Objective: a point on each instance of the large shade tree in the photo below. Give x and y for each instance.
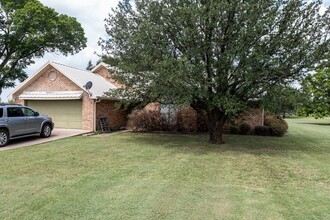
(214, 55)
(28, 30)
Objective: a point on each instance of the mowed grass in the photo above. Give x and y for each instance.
(166, 176)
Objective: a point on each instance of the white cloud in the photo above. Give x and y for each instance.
(91, 15)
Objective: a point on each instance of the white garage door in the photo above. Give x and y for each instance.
(65, 113)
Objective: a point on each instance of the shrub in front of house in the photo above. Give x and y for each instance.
(262, 130)
(271, 120)
(233, 129)
(144, 120)
(274, 126)
(244, 128)
(186, 119)
(278, 130)
(277, 124)
(241, 128)
(168, 123)
(202, 122)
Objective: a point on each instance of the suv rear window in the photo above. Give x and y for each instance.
(1, 112)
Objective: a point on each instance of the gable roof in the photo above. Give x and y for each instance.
(78, 76)
(102, 64)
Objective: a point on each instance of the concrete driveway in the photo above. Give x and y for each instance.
(57, 133)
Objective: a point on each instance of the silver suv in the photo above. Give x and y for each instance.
(18, 121)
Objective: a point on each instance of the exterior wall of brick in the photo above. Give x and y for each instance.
(154, 106)
(43, 83)
(87, 113)
(61, 83)
(189, 119)
(116, 118)
(106, 74)
(19, 101)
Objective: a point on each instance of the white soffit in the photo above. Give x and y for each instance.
(51, 95)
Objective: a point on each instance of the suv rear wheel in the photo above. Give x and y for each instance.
(46, 131)
(4, 138)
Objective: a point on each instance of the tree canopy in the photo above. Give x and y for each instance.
(28, 30)
(316, 88)
(215, 55)
(283, 99)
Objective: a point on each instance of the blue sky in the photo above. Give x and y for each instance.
(91, 14)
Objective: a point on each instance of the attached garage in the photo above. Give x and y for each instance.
(69, 95)
(65, 113)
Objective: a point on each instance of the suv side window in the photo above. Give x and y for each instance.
(14, 112)
(1, 112)
(28, 112)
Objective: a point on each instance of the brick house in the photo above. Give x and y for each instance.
(60, 91)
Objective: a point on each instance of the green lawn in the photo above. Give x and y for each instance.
(160, 176)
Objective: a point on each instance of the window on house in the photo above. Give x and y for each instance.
(169, 113)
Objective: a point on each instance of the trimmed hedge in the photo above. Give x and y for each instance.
(144, 120)
(188, 120)
(274, 126)
(244, 128)
(262, 130)
(277, 124)
(233, 129)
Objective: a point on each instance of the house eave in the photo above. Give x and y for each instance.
(52, 95)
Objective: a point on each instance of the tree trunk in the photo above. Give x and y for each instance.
(221, 123)
(213, 131)
(217, 120)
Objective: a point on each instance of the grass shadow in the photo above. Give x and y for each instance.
(314, 123)
(198, 143)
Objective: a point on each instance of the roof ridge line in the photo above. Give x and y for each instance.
(66, 65)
